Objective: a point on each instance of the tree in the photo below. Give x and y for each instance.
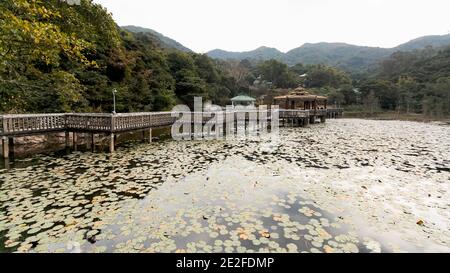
(320, 76)
(385, 92)
(57, 57)
(278, 73)
(336, 97)
(349, 95)
(371, 102)
(407, 87)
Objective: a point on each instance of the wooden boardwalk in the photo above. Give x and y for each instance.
(111, 124)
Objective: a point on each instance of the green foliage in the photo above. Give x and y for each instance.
(57, 57)
(321, 76)
(32, 50)
(351, 58)
(415, 81)
(409, 82)
(278, 73)
(384, 91)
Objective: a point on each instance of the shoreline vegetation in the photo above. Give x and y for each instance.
(53, 143)
(394, 115)
(56, 57)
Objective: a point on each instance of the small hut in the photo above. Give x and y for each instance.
(243, 100)
(301, 99)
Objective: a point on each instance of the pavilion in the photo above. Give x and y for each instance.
(243, 100)
(301, 99)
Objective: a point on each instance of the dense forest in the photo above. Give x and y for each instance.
(57, 57)
(406, 82)
(60, 57)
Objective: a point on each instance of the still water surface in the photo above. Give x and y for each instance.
(344, 186)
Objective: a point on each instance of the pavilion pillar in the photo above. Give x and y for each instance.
(112, 140)
(306, 122)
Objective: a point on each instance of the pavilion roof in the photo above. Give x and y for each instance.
(243, 98)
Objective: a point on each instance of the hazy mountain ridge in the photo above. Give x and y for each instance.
(158, 38)
(261, 53)
(342, 55)
(422, 42)
(345, 56)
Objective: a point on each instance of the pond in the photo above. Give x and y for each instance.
(348, 185)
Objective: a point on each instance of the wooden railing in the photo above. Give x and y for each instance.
(294, 113)
(133, 121)
(89, 122)
(26, 124)
(11, 125)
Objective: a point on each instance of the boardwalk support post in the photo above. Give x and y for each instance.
(92, 142)
(67, 140)
(322, 119)
(112, 139)
(5, 146)
(11, 146)
(150, 135)
(74, 140)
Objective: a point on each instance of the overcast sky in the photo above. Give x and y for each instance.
(241, 25)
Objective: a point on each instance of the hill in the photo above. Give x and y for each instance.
(345, 56)
(259, 54)
(159, 39)
(422, 42)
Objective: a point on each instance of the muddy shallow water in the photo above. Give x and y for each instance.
(345, 186)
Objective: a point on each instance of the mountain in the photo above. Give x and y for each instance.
(422, 42)
(261, 53)
(345, 56)
(158, 38)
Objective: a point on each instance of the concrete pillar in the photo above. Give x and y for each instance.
(112, 140)
(323, 119)
(150, 135)
(75, 140)
(5, 147)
